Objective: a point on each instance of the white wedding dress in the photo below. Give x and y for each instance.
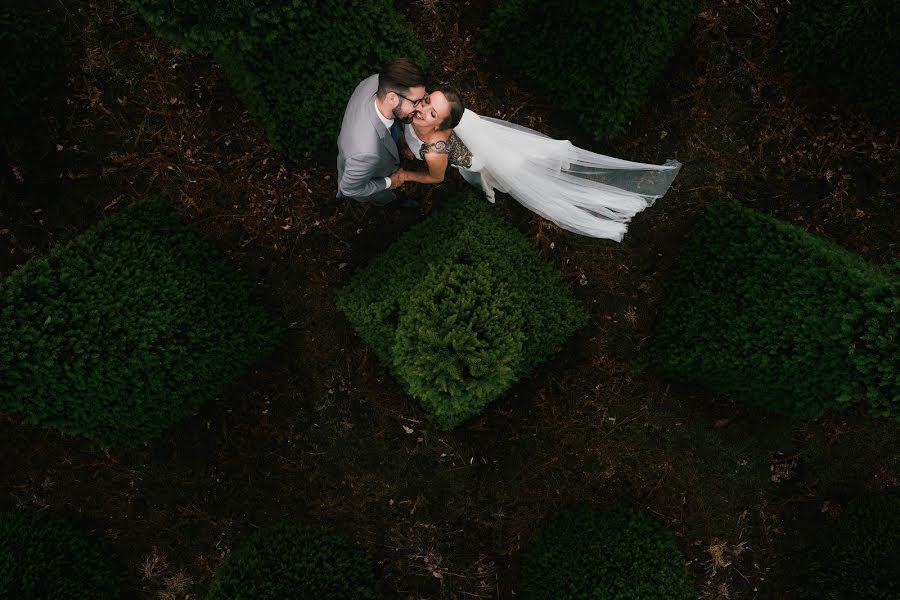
(581, 191)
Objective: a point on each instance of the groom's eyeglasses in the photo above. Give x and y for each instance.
(415, 103)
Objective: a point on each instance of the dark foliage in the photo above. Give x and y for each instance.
(205, 24)
(875, 351)
(43, 558)
(852, 46)
(295, 64)
(33, 56)
(772, 315)
(595, 59)
(288, 562)
(460, 308)
(614, 554)
(126, 329)
(857, 556)
(459, 340)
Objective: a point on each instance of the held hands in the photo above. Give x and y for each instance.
(398, 178)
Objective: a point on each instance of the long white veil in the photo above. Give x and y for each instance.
(579, 190)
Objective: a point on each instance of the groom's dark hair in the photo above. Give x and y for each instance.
(398, 76)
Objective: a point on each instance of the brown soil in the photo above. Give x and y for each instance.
(320, 433)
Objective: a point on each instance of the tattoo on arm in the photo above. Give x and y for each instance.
(441, 147)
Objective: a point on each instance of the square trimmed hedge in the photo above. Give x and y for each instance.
(44, 556)
(763, 311)
(597, 60)
(584, 553)
(294, 64)
(34, 56)
(126, 329)
(289, 561)
(460, 308)
(849, 46)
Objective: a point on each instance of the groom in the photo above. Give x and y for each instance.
(368, 157)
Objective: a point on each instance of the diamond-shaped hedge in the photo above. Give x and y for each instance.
(855, 556)
(126, 329)
(614, 554)
(42, 556)
(775, 316)
(849, 46)
(294, 64)
(34, 55)
(292, 562)
(460, 308)
(583, 53)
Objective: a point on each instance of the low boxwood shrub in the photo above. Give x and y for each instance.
(31, 43)
(874, 350)
(460, 308)
(616, 554)
(126, 329)
(595, 59)
(296, 82)
(763, 311)
(852, 46)
(289, 562)
(42, 557)
(459, 339)
(203, 25)
(856, 557)
(294, 64)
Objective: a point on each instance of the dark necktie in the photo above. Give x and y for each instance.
(395, 131)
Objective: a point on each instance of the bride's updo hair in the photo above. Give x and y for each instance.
(456, 106)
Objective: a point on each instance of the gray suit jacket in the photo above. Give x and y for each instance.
(366, 151)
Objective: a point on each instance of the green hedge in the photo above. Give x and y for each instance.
(203, 25)
(43, 558)
(853, 46)
(460, 308)
(31, 44)
(126, 329)
(856, 557)
(288, 562)
(771, 315)
(617, 554)
(294, 64)
(597, 60)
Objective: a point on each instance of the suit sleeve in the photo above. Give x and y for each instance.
(358, 180)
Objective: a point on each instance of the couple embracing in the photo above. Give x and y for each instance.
(391, 114)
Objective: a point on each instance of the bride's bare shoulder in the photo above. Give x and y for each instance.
(437, 143)
(438, 136)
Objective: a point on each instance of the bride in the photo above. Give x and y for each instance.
(581, 191)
